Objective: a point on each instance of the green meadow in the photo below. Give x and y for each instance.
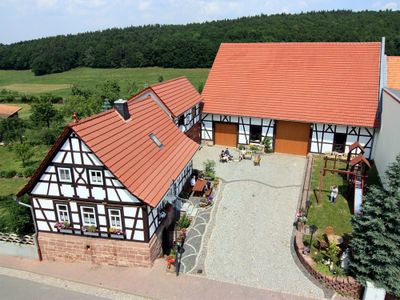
(59, 84)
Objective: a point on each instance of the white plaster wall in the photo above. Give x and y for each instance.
(388, 142)
(243, 128)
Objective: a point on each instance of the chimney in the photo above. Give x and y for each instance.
(121, 106)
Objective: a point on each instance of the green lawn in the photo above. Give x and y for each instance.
(59, 84)
(11, 186)
(9, 161)
(338, 215)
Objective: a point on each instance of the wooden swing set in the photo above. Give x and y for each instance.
(355, 168)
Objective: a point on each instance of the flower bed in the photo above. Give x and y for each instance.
(346, 286)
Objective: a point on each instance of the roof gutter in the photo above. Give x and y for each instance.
(35, 235)
(382, 77)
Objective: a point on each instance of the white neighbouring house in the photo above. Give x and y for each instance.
(106, 190)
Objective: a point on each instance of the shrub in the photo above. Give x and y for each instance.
(24, 152)
(184, 195)
(241, 147)
(15, 218)
(183, 222)
(10, 173)
(28, 171)
(267, 142)
(254, 148)
(209, 168)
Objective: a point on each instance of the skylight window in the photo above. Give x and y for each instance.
(156, 140)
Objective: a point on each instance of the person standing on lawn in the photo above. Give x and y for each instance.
(334, 193)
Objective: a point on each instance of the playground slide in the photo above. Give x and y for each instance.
(358, 198)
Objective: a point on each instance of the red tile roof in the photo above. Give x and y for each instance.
(307, 82)
(8, 110)
(178, 95)
(393, 69)
(126, 149)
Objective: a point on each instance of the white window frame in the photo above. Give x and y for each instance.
(70, 174)
(83, 216)
(94, 179)
(110, 217)
(65, 212)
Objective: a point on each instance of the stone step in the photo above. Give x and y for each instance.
(187, 208)
(194, 211)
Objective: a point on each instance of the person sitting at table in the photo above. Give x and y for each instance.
(193, 181)
(223, 157)
(228, 154)
(242, 154)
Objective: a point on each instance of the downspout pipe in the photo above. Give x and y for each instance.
(35, 235)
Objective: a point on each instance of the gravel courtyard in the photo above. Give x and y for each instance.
(251, 234)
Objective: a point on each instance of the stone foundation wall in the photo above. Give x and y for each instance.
(73, 248)
(195, 133)
(346, 286)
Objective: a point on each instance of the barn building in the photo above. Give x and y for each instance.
(8, 111)
(106, 190)
(306, 97)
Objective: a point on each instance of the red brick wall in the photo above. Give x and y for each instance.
(346, 286)
(195, 133)
(73, 248)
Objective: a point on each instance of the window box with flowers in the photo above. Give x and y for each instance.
(90, 230)
(116, 233)
(63, 227)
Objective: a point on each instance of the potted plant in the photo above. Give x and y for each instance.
(64, 227)
(171, 259)
(90, 230)
(116, 233)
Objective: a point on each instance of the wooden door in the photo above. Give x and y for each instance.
(292, 137)
(226, 134)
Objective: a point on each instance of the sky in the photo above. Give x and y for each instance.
(31, 19)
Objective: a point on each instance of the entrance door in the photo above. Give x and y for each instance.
(292, 137)
(225, 134)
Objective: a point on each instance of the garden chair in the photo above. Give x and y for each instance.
(257, 160)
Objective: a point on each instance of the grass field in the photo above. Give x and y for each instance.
(9, 161)
(11, 186)
(338, 214)
(59, 84)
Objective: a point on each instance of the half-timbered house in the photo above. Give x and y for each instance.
(181, 101)
(307, 97)
(106, 190)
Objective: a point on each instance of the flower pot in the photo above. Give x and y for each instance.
(171, 269)
(91, 233)
(64, 230)
(117, 236)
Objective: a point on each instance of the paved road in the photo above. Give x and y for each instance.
(12, 288)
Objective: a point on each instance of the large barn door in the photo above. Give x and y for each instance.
(292, 137)
(225, 134)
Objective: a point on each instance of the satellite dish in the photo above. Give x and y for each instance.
(182, 128)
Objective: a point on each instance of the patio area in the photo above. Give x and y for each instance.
(247, 239)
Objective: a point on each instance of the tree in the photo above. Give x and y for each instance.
(24, 152)
(375, 247)
(83, 106)
(16, 218)
(110, 89)
(132, 88)
(12, 129)
(43, 112)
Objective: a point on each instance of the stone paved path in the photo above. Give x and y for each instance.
(249, 237)
(194, 239)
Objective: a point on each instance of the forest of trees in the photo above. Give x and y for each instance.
(195, 45)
